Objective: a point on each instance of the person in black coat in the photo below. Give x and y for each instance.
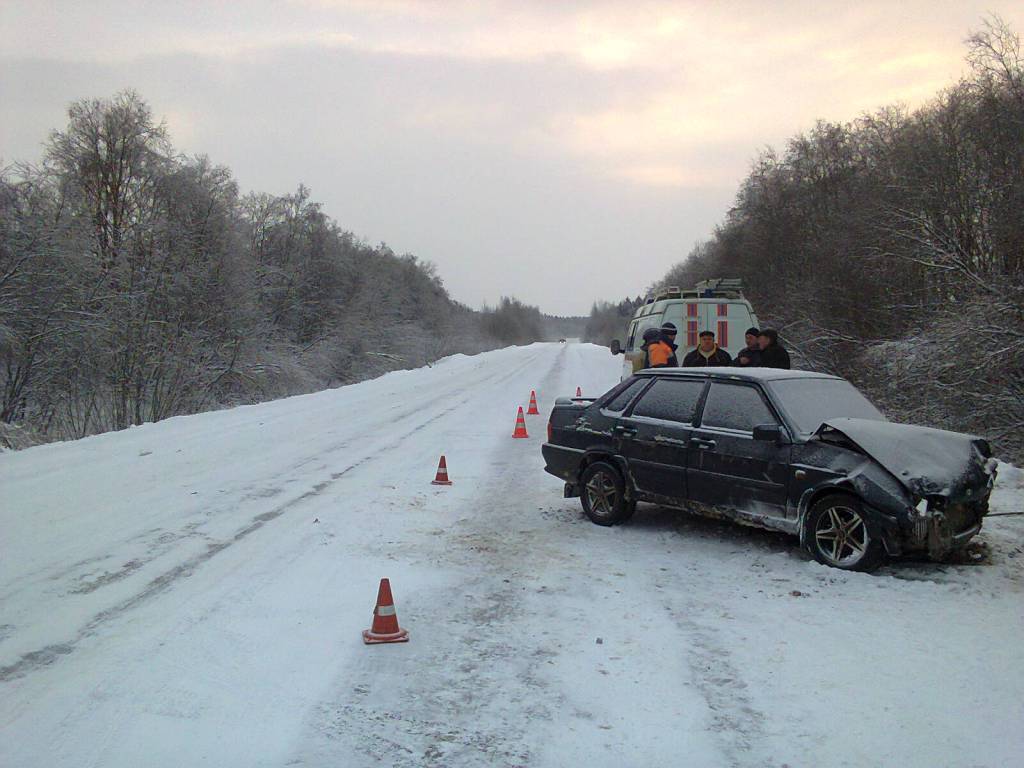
(773, 354)
(751, 356)
(707, 353)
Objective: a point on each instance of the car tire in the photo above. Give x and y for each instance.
(603, 494)
(840, 534)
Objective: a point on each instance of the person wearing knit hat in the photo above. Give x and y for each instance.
(750, 357)
(660, 353)
(668, 335)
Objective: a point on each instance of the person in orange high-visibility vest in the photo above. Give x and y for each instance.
(660, 353)
(668, 335)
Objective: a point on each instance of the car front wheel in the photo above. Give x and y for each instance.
(603, 494)
(840, 534)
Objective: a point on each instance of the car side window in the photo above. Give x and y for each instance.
(671, 399)
(623, 398)
(734, 406)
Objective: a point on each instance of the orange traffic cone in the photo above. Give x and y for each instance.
(579, 392)
(532, 410)
(520, 425)
(441, 478)
(385, 627)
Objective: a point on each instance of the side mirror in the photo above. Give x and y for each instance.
(770, 433)
(615, 347)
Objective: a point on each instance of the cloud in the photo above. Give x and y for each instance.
(560, 139)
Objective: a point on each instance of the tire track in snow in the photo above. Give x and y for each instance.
(736, 724)
(451, 711)
(47, 655)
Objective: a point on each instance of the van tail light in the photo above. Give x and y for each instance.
(550, 430)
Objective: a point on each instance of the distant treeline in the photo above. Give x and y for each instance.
(891, 250)
(608, 320)
(137, 284)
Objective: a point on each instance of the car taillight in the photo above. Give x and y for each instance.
(549, 430)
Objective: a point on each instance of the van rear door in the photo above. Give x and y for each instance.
(729, 321)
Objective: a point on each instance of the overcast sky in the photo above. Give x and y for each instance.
(557, 151)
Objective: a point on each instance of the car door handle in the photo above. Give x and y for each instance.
(699, 442)
(625, 431)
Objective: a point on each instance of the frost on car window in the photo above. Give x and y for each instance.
(734, 406)
(673, 400)
(621, 400)
(812, 402)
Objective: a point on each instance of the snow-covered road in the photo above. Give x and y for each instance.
(192, 593)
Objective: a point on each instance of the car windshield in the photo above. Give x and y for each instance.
(810, 402)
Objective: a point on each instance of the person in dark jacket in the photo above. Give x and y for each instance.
(668, 335)
(707, 353)
(751, 356)
(773, 354)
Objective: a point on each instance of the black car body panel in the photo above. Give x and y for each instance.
(926, 490)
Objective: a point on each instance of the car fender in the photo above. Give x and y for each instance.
(605, 453)
(874, 488)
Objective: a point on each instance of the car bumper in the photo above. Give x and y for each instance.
(949, 532)
(562, 462)
(944, 530)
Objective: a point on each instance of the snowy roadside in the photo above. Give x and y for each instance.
(193, 592)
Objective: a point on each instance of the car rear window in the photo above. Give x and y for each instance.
(621, 400)
(735, 406)
(671, 399)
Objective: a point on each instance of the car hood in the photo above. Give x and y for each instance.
(927, 462)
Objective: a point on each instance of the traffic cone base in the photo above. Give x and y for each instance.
(532, 410)
(441, 478)
(520, 430)
(385, 627)
(398, 637)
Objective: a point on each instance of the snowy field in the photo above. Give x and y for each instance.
(192, 593)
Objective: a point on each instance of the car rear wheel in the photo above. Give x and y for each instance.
(840, 534)
(603, 494)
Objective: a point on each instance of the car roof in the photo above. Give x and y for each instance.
(742, 374)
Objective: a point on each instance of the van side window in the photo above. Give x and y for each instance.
(735, 406)
(650, 321)
(631, 337)
(671, 399)
(674, 314)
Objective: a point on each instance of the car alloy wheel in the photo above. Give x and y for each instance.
(841, 536)
(602, 494)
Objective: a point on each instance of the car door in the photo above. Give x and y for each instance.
(728, 468)
(654, 436)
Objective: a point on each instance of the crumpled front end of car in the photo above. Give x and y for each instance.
(929, 488)
(941, 523)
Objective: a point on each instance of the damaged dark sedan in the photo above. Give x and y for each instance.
(795, 451)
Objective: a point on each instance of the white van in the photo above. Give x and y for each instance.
(714, 305)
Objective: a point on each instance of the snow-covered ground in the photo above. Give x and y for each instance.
(192, 593)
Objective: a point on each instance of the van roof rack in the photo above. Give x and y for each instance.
(719, 287)
(668, 292)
